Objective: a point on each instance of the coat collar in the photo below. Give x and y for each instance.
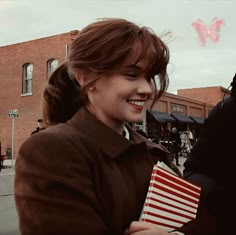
(104, 137)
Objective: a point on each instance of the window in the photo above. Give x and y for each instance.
(27, 78)
(51, 66)
(178, 108)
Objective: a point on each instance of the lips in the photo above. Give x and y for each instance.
(137, 104)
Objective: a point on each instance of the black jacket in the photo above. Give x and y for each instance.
(211, 163)
(38, 129)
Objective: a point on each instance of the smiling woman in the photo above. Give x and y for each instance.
(136, 56)
(82, 175)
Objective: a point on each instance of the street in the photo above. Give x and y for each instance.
(8, 215)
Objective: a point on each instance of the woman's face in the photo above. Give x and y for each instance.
(121, 97)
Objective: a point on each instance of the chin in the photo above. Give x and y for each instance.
(134, 120)
(133, 117)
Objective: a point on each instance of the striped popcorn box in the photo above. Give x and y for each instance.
(171, 201)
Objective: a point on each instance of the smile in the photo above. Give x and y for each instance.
(136, 104)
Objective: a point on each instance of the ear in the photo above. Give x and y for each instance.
(81, 79)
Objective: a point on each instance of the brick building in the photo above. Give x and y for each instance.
(24, 69)
(210, 95)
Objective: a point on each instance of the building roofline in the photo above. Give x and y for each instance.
(186, 98)
(223, 89)
(198, 88)
(72, 33)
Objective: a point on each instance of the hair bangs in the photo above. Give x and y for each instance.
(149, 49)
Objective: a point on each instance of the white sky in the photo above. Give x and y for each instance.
(191, 65)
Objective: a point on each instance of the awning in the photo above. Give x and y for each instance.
(197, 120)
(162, 117)
(182, 118)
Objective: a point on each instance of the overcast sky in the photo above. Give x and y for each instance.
(191, 64)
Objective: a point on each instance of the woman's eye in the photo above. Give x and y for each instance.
(133, 75)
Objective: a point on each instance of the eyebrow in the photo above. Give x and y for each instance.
(133, 66)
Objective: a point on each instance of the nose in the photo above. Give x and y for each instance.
(145, 87)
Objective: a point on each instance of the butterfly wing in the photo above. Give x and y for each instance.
(215, 28)
(201, 30)
(216, 24)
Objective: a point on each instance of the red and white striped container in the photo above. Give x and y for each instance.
(171, 200)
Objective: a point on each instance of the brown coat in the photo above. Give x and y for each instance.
(82, 178)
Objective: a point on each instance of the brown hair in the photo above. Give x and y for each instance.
(100, 48)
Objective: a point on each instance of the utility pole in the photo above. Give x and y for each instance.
(13, 113)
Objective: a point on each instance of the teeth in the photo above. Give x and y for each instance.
(138, 103)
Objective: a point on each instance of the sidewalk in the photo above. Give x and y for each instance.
(8, 215)
(7, 179)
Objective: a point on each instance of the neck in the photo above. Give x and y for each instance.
(116, 125)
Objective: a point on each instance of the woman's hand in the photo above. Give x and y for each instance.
(144, 228)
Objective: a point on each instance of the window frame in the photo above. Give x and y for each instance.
(27, 78)
(51, 67)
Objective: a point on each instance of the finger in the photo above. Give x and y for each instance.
(137, 226)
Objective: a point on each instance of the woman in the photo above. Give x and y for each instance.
(88, 172)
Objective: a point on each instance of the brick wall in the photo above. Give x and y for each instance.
(211, 95)
(12, 58)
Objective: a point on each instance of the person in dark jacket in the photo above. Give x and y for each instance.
(89, 171)
(176, 143)
(211, 162)
(40, 126)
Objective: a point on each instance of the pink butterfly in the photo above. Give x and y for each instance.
(205, 32)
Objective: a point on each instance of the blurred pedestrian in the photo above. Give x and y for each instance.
(191, 138)
(176, 142)
(40, 126)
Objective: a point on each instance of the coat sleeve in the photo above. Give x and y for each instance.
(54, 191)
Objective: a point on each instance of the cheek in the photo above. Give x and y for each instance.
(115, 89)
(102, 96)
(152, 86)
(153, 90)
